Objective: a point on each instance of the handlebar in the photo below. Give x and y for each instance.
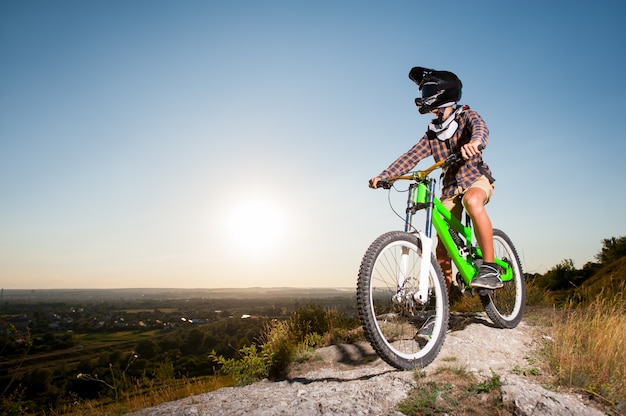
(454, 158)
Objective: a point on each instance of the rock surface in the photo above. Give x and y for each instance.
(351, 380)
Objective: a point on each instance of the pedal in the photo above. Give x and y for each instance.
(484, 292)
(460, 284)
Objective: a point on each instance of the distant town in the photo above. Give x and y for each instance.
(87, 310)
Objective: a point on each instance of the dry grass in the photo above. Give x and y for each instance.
(461, 303)
(588, 348)
(147, 396)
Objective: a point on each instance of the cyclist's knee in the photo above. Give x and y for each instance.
(474, 200)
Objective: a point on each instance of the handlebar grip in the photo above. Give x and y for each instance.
(382, 183)
(456, 157)
(385, 184)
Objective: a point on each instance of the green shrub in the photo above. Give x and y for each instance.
(250, 367)
(273, 359)
(279, 348)
(282, 342)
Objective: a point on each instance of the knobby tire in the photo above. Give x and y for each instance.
(505, 306)
(393, 328)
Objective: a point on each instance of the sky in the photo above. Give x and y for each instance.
(206, 144)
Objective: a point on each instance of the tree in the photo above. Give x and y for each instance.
(147, 348)
(559, 277)
(194, 341)
(612, 249)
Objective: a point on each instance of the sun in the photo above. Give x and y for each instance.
(256, 228)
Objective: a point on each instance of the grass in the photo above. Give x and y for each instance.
(142, 397)
(453, 390)
(587, 349)
(129, 335)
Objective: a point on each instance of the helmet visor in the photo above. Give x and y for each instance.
(429, 89)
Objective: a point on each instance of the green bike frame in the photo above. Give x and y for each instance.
(421, 196)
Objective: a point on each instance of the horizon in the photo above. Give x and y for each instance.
(132, 294)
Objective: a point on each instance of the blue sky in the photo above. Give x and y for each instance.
(229, 143)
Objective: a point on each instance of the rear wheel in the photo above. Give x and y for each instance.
(505, 306)
(404, 333)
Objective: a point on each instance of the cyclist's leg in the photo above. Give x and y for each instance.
(474, 201)
(446, 265)
(453, 205)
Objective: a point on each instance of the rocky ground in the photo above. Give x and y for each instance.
(352, 380)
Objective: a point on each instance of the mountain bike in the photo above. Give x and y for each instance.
(402, 298)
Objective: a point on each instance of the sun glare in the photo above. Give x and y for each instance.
(256, 228)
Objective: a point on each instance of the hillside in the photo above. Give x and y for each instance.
(351, 380)
(608, 280)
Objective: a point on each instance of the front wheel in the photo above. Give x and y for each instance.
(403, 332)
(505, 306)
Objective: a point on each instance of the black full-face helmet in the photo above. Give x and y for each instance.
(438, 88)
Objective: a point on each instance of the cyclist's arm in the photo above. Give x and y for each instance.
(404, 163)
(480, 135)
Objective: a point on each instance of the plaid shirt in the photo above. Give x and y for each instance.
(471, 127)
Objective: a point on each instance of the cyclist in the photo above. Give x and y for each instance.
(455, 128)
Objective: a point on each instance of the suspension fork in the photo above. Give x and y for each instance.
(411, 200)
(400, 295)
(420, 196)
(427, 241)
